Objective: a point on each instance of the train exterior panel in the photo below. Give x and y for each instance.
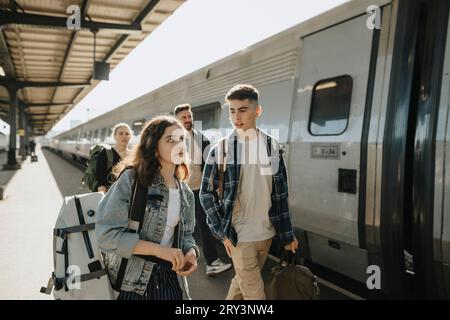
(4, 140)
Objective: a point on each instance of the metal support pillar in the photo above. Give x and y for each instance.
(12, 163)
(27, 132)
(22, 149)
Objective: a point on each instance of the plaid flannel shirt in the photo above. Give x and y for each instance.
(219, 221)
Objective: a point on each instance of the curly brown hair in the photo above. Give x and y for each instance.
(143, 158)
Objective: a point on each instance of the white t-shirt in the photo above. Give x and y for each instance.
(173, 216)
(253, 201)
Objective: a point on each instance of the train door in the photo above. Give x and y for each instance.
(413, 213)
(441, 234)
(206, 119)
(327, 168)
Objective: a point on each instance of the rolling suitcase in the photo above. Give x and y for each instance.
(34, 158)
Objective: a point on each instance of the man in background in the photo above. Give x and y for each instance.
(196, 143)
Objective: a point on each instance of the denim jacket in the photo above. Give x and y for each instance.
(116, 242)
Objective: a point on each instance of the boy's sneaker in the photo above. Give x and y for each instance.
(216, 267)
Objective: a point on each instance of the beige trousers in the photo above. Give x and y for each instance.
(248, 260)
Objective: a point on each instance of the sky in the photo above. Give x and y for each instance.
(199, 33)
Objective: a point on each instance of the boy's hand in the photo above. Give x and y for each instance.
(228, 246)
(292, 246)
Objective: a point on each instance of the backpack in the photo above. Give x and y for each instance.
(79, 270)
(89, 178)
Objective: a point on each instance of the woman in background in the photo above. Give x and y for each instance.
(108, 158)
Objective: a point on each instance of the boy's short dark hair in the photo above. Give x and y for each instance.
(242, 92)
(182, 107)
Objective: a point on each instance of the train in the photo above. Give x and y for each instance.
(4, 141)
(359, 99)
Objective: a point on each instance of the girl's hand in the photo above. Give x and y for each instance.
(173, 255)
(190, 264)
(103, 189)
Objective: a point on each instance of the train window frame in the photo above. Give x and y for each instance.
(102, 134)
(142, 121)
(94, 135)
(313, 99)
(79, 135)
(215, 106)
(109, 132)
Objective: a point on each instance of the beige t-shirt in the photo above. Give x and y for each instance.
(194, 158)
(253, 200)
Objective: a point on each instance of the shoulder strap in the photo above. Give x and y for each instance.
(222, 168)
(137, 209)
(269, 148)
(235, 158)
(87, 240)
(223, 165)
(109, 157)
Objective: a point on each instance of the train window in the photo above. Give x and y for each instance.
(102, 134)
(95, 135)
(330, 106)
(137, 126)
(108, 132)
(208, 114)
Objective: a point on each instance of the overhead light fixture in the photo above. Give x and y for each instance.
(2, 72)
(101, 68)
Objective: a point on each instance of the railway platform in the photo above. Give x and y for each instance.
(28, 211)
(31, 202)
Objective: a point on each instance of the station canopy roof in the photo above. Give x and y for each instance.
(54, 64)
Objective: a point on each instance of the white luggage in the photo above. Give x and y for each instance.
(79, 271)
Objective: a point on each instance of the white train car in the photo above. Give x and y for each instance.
(4, 141)
(361, 104)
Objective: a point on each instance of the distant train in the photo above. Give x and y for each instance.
(361, 102)
(4, 141)
(44, 142)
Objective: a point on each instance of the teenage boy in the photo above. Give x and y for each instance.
(255, 194)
